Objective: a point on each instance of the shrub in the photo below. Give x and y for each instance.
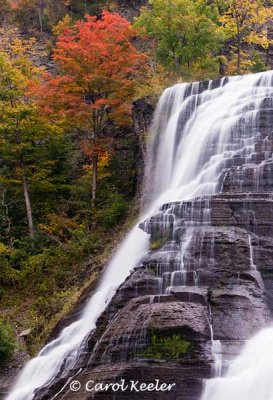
(8, 275)
(258, 63)
(4, 9)
(114, 212)
(7, 343)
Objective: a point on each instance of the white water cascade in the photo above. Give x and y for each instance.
(249, 376)
(197, 130)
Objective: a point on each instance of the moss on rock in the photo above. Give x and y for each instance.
(171, 347)
(158, 242)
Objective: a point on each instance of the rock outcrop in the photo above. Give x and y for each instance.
(130, 9)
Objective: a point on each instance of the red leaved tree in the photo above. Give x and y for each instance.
(98, 69)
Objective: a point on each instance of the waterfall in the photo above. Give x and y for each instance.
(249, 376)
(251, 251)
(198, 131)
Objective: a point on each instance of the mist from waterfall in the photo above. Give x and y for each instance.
(197, 130)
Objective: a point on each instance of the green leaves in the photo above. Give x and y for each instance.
(184, 31)
(169, 347)
(27, 140)
(7, 343)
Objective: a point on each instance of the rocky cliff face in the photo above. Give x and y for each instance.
(202, 290)
(130, 9)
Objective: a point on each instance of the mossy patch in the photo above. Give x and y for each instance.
(171, 347)
(157, 243)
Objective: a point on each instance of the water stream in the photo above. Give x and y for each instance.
(249, 376)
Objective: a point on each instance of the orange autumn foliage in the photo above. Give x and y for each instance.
(98, 65)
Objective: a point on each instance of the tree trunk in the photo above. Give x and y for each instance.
(94, 178)
(6, 218)
(41, 7)
(239, 57)
(28, 209)
(40, 21)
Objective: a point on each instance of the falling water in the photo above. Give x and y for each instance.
(251, 251)
(250, 375)
(216, 348)
(198, 129)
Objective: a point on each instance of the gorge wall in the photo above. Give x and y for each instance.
(205, 285)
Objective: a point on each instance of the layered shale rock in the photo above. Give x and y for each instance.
(201, 291)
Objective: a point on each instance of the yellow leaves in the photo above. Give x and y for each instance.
(104, 160)
(12, 80)
(204, 69)
(20, 51)
(14, 77)
(246, 63)
(157, 79)
(3, 248)
(7, 34)
(22, 47)
(259, 38)
(59, 227)
(103, 163)
(61, 25)
(245, 21)
(88, 168)
(16, 105)
(228, 26)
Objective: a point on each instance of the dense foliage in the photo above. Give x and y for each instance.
(194, 39)
(7, 343)
(185, 33)
(207, 37)
(52, 126)
(244, 22)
